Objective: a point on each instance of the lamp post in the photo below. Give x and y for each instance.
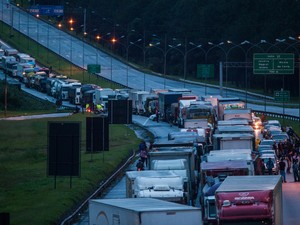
(185, 54)
(246, 64)
(165, 52)
(210, 49)
(127, 53)
(292, 45)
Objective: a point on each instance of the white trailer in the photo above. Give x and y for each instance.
(233, 141)
(233, 114)
(132, 175)
(145, 211)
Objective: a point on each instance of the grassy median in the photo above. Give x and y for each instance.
(25, 190)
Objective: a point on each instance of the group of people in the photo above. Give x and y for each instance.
(143, 153)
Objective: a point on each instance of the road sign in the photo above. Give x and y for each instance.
(47, 10)
(94, 68)
(273, 63)
(282, 96)
(205, 70)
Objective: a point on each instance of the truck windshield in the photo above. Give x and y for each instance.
(247, 222)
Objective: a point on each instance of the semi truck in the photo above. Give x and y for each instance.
(165, 188)
(212, 174)
(250, 200)
(233, 114)
(233, 141)
(165, 100)
(231, 155)
(141, 211)
(228, 103)
(175, 153)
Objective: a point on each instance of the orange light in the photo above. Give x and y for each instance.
(59, 25)
(113, 40)
(71, 21)
(98, 37)
(71, 28)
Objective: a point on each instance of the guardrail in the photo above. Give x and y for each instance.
(277, 115)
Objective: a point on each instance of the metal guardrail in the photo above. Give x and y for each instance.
(278, 115)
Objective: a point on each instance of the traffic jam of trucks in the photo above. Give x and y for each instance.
(205, 171)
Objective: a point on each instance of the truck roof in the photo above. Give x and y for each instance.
(233, 135)
(236, 111)
(233, 122)
(236, 128)
(144, 204)
(249, 183)
(235, 164)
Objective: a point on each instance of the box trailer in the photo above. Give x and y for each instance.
(145, 211)
(250, 200)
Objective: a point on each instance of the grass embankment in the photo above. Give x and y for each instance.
(25, 190)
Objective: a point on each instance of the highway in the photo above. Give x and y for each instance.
(82, 54)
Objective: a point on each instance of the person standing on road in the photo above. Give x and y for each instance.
(157, 115)
(143, 152)
(270, 166)
(282, 170)
(295, 171)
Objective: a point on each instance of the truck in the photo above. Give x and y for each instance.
(131, 176)
(20, 70)
(141, 211)
(141, 101)
(228, 103)
(233, 141)
(234, 129)
(6, 59)
(212, 174)
(102, 95)
(165, 100)
(233, 114)
(169, 188)
(232, 122)
(231, 155)
(133, 96)
(250, 200)
(173, 153)
(74, 95)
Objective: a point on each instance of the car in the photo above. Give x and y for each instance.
(274, 123)
(264, 147)
(267, 151)
(267, 142)
(280, 137)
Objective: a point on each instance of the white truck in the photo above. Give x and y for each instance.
(250, 200)
(175, 153)
(102, 95)
(21, 70)
(233, 114)
(228, 103)
(142, 99)
(141, 211)
(235, 129)
(233, 141)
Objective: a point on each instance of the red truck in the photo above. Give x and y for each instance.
(250, 200)
(212, 174)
